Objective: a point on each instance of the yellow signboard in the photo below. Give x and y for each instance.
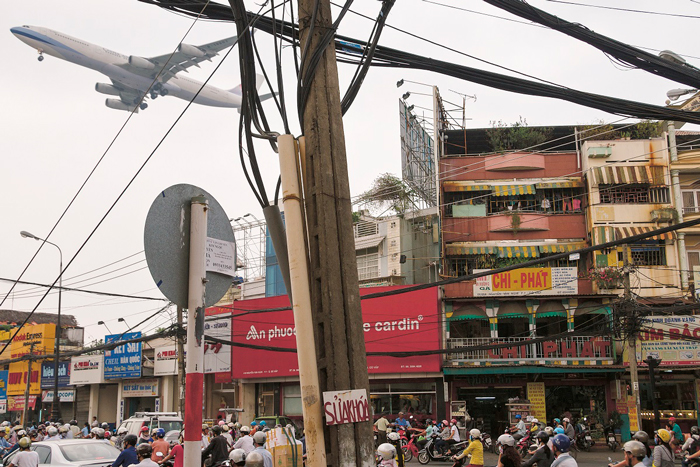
(535, 393)
(42, 335)
(17, 378)
(528, 281)
(633, 415)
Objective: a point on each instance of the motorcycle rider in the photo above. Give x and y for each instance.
(643, 438)
(237, 457)
(560, 445)
(569, 429)
(402, 422)
(386, 452)
(25, 457)
(217, 449)
(692, 446)
(128, 456)
(676, 431)
(444, 435)
(160, 446)
(144, 452)
(543, 455)
(227, 434)
(395, 440)
(475, 448)
(635, 452)
(518, 430)
(535, 426)
(425, 434)
(556, 423)
(259, 441)
(508, 456)
(245, 442)
(663, 453)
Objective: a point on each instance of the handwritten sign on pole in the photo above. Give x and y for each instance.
(220, 256)
(349, 406)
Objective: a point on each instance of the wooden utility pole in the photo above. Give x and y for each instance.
(29, 382)
(335, 298)
(180, 363)
(631, 319)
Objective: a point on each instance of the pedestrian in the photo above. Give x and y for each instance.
(475, 449)
(144, 451)
(663, 453)
(25, 458)
(128, 455)
(508, 456)
(245, 442)
(381, 425)
(259, 441)
(94, 423)
(560, 446)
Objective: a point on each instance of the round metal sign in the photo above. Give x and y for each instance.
(166, 242)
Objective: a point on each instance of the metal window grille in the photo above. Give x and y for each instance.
(691, 201)
(633, 194)
(365, 228)
(649, 254)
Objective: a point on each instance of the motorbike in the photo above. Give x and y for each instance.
(431, 452)
(410, 449)
(584, 440)
(403, 434)
(488, 443)
(523, 444)
(611, 439)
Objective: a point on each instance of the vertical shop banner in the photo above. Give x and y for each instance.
(409, 321)
(17, 379)
(217, 356)
(673, 339)
(87, 369)
(633, 415)
(123, 361)
(165, 360)
(3, 384)
(47, 375)
(536, 395)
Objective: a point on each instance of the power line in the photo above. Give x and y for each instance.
(94, 292)
(630, 10)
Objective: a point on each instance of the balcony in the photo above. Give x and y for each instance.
(483, 229)
(518, 222)
(573, 350)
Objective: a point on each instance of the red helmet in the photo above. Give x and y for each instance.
(671, 419)
(144, 428)
(453, 421)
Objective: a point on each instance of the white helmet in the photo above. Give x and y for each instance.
(237, 455)
(21, 433)
(63, 429)
(254, 459)
(259, 438)
(474, 433)
(393, 436)
(245, 429)
(100, 433)
(534, 420)
(506, 440)
(52, 431)
(386, 451)
(566, 420)
(122, 430)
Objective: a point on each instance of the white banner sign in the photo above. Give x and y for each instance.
(221, 257)
(140, 388)
(217, 357)
(64, 395)
(346, 406)
(165, 362)
(88, 369)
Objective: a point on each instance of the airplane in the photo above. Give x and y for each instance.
(133, 76)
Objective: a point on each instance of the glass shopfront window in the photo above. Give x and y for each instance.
(414, 399)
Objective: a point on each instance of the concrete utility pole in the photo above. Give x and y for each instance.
(653, 363)
(340, 342)
(631, 339)
(29, 382)
(180, 363)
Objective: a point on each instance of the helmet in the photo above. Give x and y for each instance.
(672, 419)
(236, 425)
(263, 423)
(518, 416)
(566, 420)
(665, 435)
(21, 433)
(549, 430)
(62, 429)
(559, 431)
(216, 429)
(100, 433)
(561, 442)
(237, 455)
(154, 431)
(543, 436)
(253, 423)
(506, 440)
(635, 448)
(245, 429)
(230, 424)
(534, 420)
(205, 426)
(53, 431)
(453, 421)
(144, 450)
(643, 437)
(386, 451)
(694, 430)
(25, 442)
(474, 433)
(122, 430)
(160, 432)
(221, 422)
(254, 459)
(259, 438)
(444, 422)
(428, 421)
(105, 425)
(131, 439)
(393, 436)
(74, 422)
(144, 429)
(557, 420)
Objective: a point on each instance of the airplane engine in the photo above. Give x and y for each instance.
(141, 62)
(119, 105)
(191, 50)
(103, 88)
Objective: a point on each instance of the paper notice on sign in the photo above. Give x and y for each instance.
(220, 257)
(349, 406)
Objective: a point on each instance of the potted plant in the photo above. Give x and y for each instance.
(606, 277)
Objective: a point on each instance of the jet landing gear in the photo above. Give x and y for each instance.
(41, 56)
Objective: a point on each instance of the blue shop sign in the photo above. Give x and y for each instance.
(124, 361)
(47, 375)
(3, 384)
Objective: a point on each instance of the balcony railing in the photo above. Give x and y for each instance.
(586, 348)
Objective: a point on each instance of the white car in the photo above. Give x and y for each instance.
(72, 453)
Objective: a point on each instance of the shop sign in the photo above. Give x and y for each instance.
(88, 369)
(140, 388)
(217, 357)
(3, 384)
(16, 403)
(350, 406)
(64, 395)
(538, 407)
(633, 415)
(42, 335)
(488, 380)
(3, 406)
(17, 379)
(165, 361)
(409, 320)
(123, 361)
(47, 374)
(527, 281)
(673, 339)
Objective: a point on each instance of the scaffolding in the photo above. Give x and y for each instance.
(249, 232)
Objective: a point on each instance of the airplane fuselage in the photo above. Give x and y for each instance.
(113, 64)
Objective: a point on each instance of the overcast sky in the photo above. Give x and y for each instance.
(55, 126)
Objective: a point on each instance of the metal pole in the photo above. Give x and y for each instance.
(56, 404)
(653, 363)
(194, 382)
(299, 276)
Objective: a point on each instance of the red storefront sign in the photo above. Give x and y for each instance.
(405, 322)
(16, 403)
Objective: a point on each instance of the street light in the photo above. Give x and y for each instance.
(675, 94)
(56, 404)
(102, 323)
(122, 320)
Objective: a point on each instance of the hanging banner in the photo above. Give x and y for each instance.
(47, 375)
(17, 379)
(140, 388)
(16, 403)
(536, 395)
(66, 395)
(3, 384)
(673, 339)
(87, 369)
(123, 361)
(165, 360)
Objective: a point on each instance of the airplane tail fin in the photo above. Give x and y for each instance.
(259, 80)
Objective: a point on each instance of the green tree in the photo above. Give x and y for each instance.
(387, 192)
(504, 137)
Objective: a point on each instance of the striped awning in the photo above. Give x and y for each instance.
(457, 249)
(464, 186)
(560, 184)
(510, 190)
(629, 231)
(603, 234)
(561, 247)
(623, 174)
(518, 252)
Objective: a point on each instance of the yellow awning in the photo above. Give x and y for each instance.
(510, 190)
(560, 184)
(451, 185)
(561, 247)
(623, 232)
(469, 250)
(518, 252)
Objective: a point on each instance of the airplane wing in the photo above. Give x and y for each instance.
(186, 56)
(128, 97)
